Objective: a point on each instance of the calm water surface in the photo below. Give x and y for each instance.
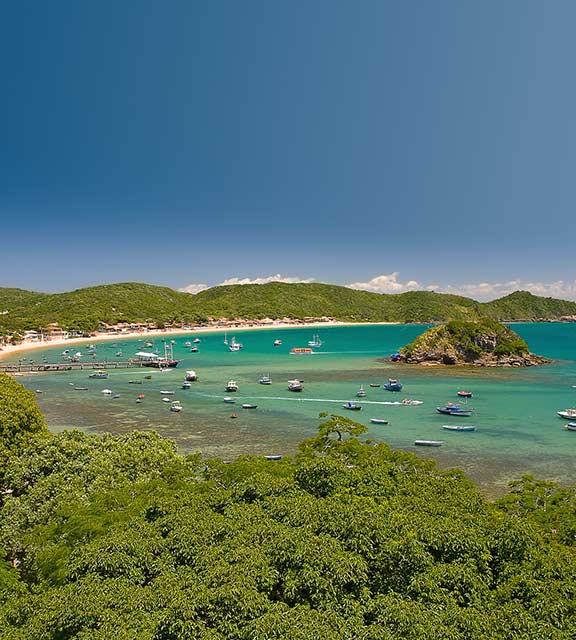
(518, 430)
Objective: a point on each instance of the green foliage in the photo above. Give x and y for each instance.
(20, 418)
(121, 537)
(85, 309)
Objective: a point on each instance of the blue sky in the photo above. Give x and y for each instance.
(193, 142)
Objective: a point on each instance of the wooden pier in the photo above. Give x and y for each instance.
(25, 366)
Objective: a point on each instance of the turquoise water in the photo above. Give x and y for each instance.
(518, 430)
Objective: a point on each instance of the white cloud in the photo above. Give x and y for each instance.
(194, 288)
(478, 290)
(387, 284)
(491, 290)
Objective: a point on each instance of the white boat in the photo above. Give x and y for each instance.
(277, 342)
(295, 385)
(571, 426)
(378, 421)
(458, 427)
(352, 406)
(361, 393)
(196, 340)
(186, 384)
(191, 376)
(167, 393)
(428, 443)
(570, 414)
(194, 349)
(232, 385)
(265, 379)
(228, 400)
(107, 392)
(176, 406)
(187, 343)
(315, 342)
(165, 399)
(247, 405)
(235, 346)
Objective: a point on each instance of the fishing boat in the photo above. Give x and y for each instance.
(428, 443)
(458, 427)
(265, 379)
(570, 414)
(277, 342)
(464, 394)
(571, 426)
(247, 405)
(361, 393)
(378, 421)
(191, 376)
(99, 375)
(393, 385)
(228, 400)
(295, 385)
(315, 342)
(351, 406)
(231, 386)
(301, 351)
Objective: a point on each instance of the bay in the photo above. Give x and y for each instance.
(517, 428)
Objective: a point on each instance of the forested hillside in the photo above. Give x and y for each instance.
(86, 309)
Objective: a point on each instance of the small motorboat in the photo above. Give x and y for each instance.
(165, 399)
(570, 414)
(428, 443)
(361, 393)
(167, 393)
(231, 386)
(187, 343)
(277, 342)
(194, 349)
(186, 384)
(229, 400)
(191, 376)
(273, 457)
(454, 410)
(39, 391)
(378, 421)
(233, 415)
(375, 384)
(176, 407)
(464, 394)
(140, 396)
(196, 340)
(458, 427)
(295, 385)
(393, 385)
(247, 405)
(84, 389)
(134, 381)
(351, 406)
(571, 426)
(265, 379)
(98, 375)
(410, 402)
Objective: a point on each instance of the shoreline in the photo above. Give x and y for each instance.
(23, 347)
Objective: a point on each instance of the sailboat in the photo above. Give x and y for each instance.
(315, 342)
(225, 338)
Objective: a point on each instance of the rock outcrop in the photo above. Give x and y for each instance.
(483, 344)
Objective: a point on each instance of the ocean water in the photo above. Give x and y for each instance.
(517, 432)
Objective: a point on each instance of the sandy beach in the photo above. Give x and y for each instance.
(114, 337)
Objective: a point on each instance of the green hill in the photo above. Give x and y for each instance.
(481, 343)
(85, 309)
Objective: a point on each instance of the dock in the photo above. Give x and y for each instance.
(35, 367)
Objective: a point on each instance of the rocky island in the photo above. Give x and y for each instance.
(483, 343)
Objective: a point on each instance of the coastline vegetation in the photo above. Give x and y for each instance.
(89, 309)
(119, 536)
